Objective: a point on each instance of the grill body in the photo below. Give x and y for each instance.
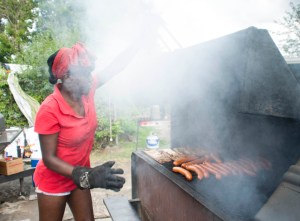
(234, 95)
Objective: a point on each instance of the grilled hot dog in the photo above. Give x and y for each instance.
(187, 174)
(195, 170)
(182, 160)
(213, 171)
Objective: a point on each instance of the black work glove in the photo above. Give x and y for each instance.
(103, 176)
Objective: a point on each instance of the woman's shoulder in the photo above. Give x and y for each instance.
(49, 101)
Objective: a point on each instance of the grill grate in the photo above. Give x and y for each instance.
(239, 196)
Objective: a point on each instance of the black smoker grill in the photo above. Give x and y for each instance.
(234, 95)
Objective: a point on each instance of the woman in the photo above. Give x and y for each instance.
(66, 123)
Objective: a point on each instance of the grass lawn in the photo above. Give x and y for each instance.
(123, 151)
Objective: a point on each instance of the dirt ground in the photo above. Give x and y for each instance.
(24, 208)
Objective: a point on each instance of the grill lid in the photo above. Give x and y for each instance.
(243, 70)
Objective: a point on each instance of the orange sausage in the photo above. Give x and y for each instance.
(249, 163)
(264, 163)
(217, 168)
(213, 171)
(229, 168)
(215, 158)
(204, 171)
(184, 160)
(241, 169)
(245, 169)
(195, 170)
(196, 161)
(234, 168)
(187, 174)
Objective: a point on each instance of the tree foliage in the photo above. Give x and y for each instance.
(34, 52)
(48, 39)
(291, 35)
(61, 20)
(16, 26)
(58, 23)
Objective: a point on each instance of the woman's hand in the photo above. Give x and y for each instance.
(103, 176)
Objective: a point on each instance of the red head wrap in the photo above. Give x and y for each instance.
(78, 55)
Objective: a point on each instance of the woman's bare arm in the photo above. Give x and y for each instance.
(48, 146)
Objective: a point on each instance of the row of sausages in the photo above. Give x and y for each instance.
(203, 167)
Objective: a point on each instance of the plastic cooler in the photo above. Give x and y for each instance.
(152, 142)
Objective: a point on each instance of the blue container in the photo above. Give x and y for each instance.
(34, 162)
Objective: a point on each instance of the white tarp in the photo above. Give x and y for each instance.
(28, 105)
(33, 142)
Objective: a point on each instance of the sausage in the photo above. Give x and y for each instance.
(250, 163)
(264, 163)
(195, 170)
(213, 171)
(218, 168)
(187, 174)
(196, 161)
(247, 166)
(215, 158)
(244, 169)
(182, 160)
(228, 168)
(235, 168)
(247, 170)
(203, 170)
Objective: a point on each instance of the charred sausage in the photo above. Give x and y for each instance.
(187, 174)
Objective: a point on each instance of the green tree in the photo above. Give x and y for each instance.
(291, 35)
(17, 18)
(34, 53)
(61, 20)
(47, 40)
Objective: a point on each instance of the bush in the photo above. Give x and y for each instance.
(102, 135)
(129, 128)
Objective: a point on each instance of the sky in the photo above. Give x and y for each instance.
(182, 23)
(111, 27)
(195, 21)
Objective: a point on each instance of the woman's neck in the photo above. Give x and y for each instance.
(74, 100)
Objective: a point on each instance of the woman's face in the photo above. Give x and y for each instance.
(78, 81)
